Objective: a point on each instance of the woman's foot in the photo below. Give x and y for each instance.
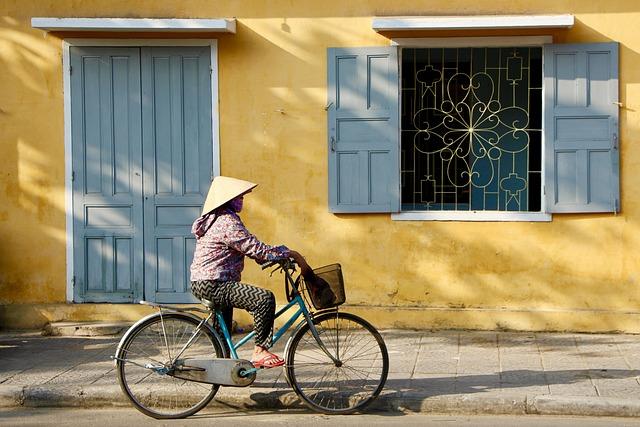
(262, 358)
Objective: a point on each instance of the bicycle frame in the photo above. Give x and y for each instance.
(302, 310)
(296, 299)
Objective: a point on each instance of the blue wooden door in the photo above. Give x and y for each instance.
(107, 174)
(176, 93)
(142, 160)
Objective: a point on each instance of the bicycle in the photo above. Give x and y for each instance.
(171, 364)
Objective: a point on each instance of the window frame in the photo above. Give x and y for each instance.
(463, 42)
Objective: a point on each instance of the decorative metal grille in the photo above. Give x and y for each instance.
(471, 129)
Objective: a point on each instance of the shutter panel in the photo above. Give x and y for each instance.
(107, 186)
(363, 99)
(177, 148)
(581, 127)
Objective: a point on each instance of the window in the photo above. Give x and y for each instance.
(471, 129)
(467, 130)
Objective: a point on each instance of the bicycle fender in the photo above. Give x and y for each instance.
(126, 335)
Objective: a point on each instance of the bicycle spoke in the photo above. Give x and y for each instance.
(372, 353)
(323, 360)
(127, 351)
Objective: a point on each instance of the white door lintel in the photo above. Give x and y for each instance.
(174, 25)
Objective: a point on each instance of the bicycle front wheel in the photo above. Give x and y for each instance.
(145, 363)
(352, 383)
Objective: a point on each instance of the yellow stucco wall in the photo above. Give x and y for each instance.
(579, 272)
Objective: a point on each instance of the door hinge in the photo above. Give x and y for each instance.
(73, 176)
(615, 140)
(616, 206)
(544, 190)
(70, 69)
(73, 281)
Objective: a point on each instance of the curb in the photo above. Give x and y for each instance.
(587, 406)
(11, 396)
(268, 398)
(85, 329)
(453, 404)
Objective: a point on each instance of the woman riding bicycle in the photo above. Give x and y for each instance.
(222, 242)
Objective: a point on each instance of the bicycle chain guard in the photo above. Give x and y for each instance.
(229, 372)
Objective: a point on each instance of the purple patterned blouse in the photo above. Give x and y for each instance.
(222, 241)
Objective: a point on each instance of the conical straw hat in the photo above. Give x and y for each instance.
(223, 189)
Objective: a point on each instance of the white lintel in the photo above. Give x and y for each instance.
(221, 25)
(406, 23)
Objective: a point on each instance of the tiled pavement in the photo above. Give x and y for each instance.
(441, 371)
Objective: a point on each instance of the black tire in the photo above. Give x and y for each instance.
(326, 387)
(163, 396)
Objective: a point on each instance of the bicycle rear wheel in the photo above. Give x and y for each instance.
(152, 346)
(344, 387)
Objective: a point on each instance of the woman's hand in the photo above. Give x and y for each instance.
(302, 263)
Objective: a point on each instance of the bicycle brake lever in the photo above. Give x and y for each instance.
(274, 270)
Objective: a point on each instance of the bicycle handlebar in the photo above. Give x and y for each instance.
(268, 264)
(287, 266)
(287, 263)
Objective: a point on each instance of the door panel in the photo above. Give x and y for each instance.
(107, 169)
(176, 93)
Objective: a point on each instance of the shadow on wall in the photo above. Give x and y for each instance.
(276, 123)
(567, 264)
(32, 156)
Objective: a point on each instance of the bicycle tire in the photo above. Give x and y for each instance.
(163, 396)
(311, 372)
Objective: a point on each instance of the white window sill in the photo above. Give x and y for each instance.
(472, 216)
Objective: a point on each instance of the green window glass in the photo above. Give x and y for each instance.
(471, 129)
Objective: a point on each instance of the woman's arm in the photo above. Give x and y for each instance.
(302, 263)
(239, 238)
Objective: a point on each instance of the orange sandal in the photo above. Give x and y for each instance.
(269, 361)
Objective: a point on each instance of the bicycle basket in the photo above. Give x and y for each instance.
(326, 289)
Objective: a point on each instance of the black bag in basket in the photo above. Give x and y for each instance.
(321, 293)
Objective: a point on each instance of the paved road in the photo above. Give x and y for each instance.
(128, 417)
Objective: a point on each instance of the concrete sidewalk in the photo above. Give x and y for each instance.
(441, 372)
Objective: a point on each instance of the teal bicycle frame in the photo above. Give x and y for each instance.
(296, 299)
(302, 310)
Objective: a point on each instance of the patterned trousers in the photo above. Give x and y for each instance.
(227, 295)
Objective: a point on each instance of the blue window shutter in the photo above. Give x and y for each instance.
(363, 145)
(581, 127)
